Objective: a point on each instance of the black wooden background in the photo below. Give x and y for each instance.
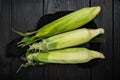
(23, 15)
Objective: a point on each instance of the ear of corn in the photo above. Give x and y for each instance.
(69, 22)
(68, 39)
(66, 56)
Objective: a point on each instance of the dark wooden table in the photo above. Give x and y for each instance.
(23, 15)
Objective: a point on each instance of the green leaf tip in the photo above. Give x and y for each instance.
(22, 33)
(97, 40)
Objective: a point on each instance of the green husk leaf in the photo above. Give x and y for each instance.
(97, 40)
(23, 40)
(28, 40)
(22, 33)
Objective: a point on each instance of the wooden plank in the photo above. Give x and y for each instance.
(57, 71)
(116, 40)
(52, 6)
(5, 22)
(25, 17)
(104, 69)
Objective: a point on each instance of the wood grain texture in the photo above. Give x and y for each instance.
(65, 72)
(52, 6)
(104, 70)
(25, 17)
(5, 22)
(116, 39)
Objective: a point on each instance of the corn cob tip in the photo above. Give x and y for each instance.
(101, 30)
(97, 54)
(102, 56)
(98, 8)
